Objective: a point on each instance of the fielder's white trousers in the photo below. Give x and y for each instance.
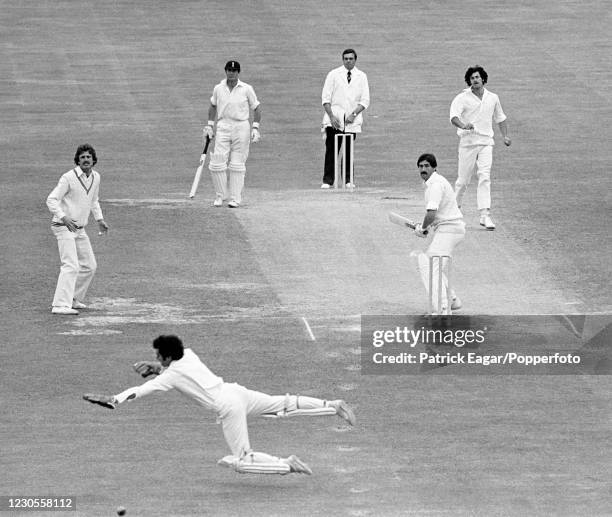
(444, 241)
(232, 139)
(78, 266)
(477, 158)
(236, 403)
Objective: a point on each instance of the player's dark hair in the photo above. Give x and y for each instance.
(474, 69)
(349, 51)
(81, 149)
(429, 158)
(169, 346)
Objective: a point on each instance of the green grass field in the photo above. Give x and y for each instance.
(134, 80)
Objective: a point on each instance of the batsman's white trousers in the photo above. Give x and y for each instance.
(445, 239)
(233, 138)
(78, 266)
(236, 403)
(477, 158)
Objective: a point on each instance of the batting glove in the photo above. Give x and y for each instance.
(419, 231)
(255, 135)
(207, 132)
(147, 368)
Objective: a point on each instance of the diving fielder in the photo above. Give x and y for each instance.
(181, 369)
(230, 106)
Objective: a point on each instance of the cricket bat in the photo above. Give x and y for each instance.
(402, 221)
(198, 174)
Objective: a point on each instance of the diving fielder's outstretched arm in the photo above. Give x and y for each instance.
(161, 383)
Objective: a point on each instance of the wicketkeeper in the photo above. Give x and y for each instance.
(230, 106)
(181, 369)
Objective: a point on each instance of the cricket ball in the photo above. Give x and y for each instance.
(121, 510)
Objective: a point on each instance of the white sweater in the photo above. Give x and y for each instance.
(75, 196)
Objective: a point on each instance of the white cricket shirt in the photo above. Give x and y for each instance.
(440, 196)
(234, 105)
(188, 376)
(480, 113)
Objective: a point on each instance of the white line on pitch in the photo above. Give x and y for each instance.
(312, 337)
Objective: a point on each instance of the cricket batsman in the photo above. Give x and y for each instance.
(230, 105)
(444, 219)
(181, 369)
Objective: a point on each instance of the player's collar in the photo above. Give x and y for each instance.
(80, 172)
(433, 175)
(238, 82)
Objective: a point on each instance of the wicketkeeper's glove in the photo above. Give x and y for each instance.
(106, 401)
(146, 368)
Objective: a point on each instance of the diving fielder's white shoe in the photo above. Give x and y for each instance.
(343, 410)
(297, 465)
(228, 461)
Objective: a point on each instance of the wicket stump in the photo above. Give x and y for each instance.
(340, 180)
(441, 311)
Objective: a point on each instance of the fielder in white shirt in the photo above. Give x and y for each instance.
(230, 105)
(70, 202)
(180, 368)
(444, 220)
(473, 112)
(345, 96)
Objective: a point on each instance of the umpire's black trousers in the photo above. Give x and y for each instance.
(328, 170)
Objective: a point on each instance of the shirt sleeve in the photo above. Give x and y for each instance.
(365, 93)
(213, 98)
(162, 382)
(328, 89)
(252, 98)
(55, 198)
(498, 112)
(434, 197)
(456, 108)
(95, 202)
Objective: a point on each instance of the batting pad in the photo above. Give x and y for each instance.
(298, 405)
(219, 180)
(263, 468)
(236, 184)
(323, 411)
(218, 161)
(256, 463)
(237, 165)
